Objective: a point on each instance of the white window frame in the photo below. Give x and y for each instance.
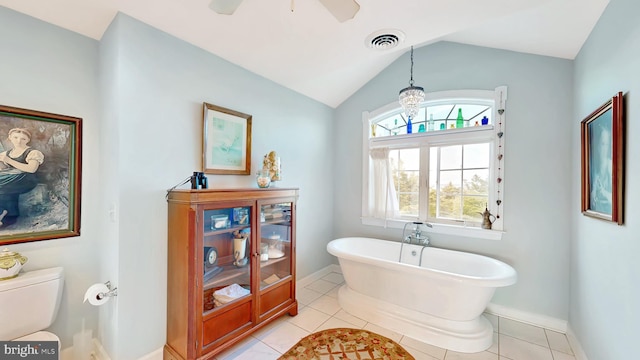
(439, 138)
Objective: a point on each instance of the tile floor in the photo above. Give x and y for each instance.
(319, 309)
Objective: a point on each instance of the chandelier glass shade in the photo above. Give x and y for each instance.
(411, 97)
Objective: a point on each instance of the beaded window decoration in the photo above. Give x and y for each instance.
(500, 152)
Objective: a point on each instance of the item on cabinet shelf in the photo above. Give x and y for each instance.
(275, 253)
(271, 162)
(271, 279)
(239, 251)
(220, 221)
(263, 178)
(210, 256)
(485, 120)
(241, 216)
(273, 213)
(276, 248)
(199, 181)
(228, 294)
(264, 251)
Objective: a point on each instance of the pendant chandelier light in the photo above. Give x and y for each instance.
(411, 97)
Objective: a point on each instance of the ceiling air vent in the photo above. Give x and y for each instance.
(384, 39)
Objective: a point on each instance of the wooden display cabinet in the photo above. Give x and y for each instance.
(231, 266)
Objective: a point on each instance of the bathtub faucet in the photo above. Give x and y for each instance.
(416, 236)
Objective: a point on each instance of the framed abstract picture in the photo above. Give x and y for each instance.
(602, 157)
(226, 142)
(40, 175)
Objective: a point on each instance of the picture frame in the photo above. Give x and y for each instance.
(602, 161)
(226, 141)
(40, 175)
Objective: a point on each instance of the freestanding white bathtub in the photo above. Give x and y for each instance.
(440, 302)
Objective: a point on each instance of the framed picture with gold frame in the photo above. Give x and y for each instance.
(40, 175)
(226, 141)
(602, 158)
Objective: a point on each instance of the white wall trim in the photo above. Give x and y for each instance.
(318, 275)
(99, 353)
(155, 355)
(542, 321)
(575, 345)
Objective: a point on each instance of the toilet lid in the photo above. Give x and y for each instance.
(40, 336)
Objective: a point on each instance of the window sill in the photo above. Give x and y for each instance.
(454, 230)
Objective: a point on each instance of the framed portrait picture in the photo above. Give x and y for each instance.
(40, 175)
(602, 149)
(226, 142)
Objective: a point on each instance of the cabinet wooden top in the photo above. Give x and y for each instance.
(208, 195)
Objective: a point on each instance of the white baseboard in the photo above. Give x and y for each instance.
(542, 321)
(575, 345)
(318, 275)
(98, 352)
(156, 355)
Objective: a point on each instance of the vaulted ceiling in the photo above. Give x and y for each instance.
(309, 51)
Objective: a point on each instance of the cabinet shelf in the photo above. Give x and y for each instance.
(229, 272)
(228, 230)
(272, 261)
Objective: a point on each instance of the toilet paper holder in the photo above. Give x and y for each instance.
(111, 293)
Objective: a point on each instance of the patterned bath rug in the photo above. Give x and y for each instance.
(343, 344)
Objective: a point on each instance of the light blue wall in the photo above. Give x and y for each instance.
(140, 94)
(160, 87)
(46, 68)
(537, 162)
(604, 256)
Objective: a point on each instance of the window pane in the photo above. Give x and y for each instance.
(409, 203)
(476, 156)
(450, 194)
(405, 165)
(451, 157)
(476, 193)
(433, 181)
(473, 207)
(476, 181)
(393, 125)
(449, 206)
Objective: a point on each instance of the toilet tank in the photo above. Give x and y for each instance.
(30, 302)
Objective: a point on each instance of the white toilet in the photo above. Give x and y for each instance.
(29, 303)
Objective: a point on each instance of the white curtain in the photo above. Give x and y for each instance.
(383, 202)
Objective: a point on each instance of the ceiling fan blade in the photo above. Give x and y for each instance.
(343, 10)
(225, 7)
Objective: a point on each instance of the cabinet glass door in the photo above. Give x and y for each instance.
(227, 256)
(275, 243)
